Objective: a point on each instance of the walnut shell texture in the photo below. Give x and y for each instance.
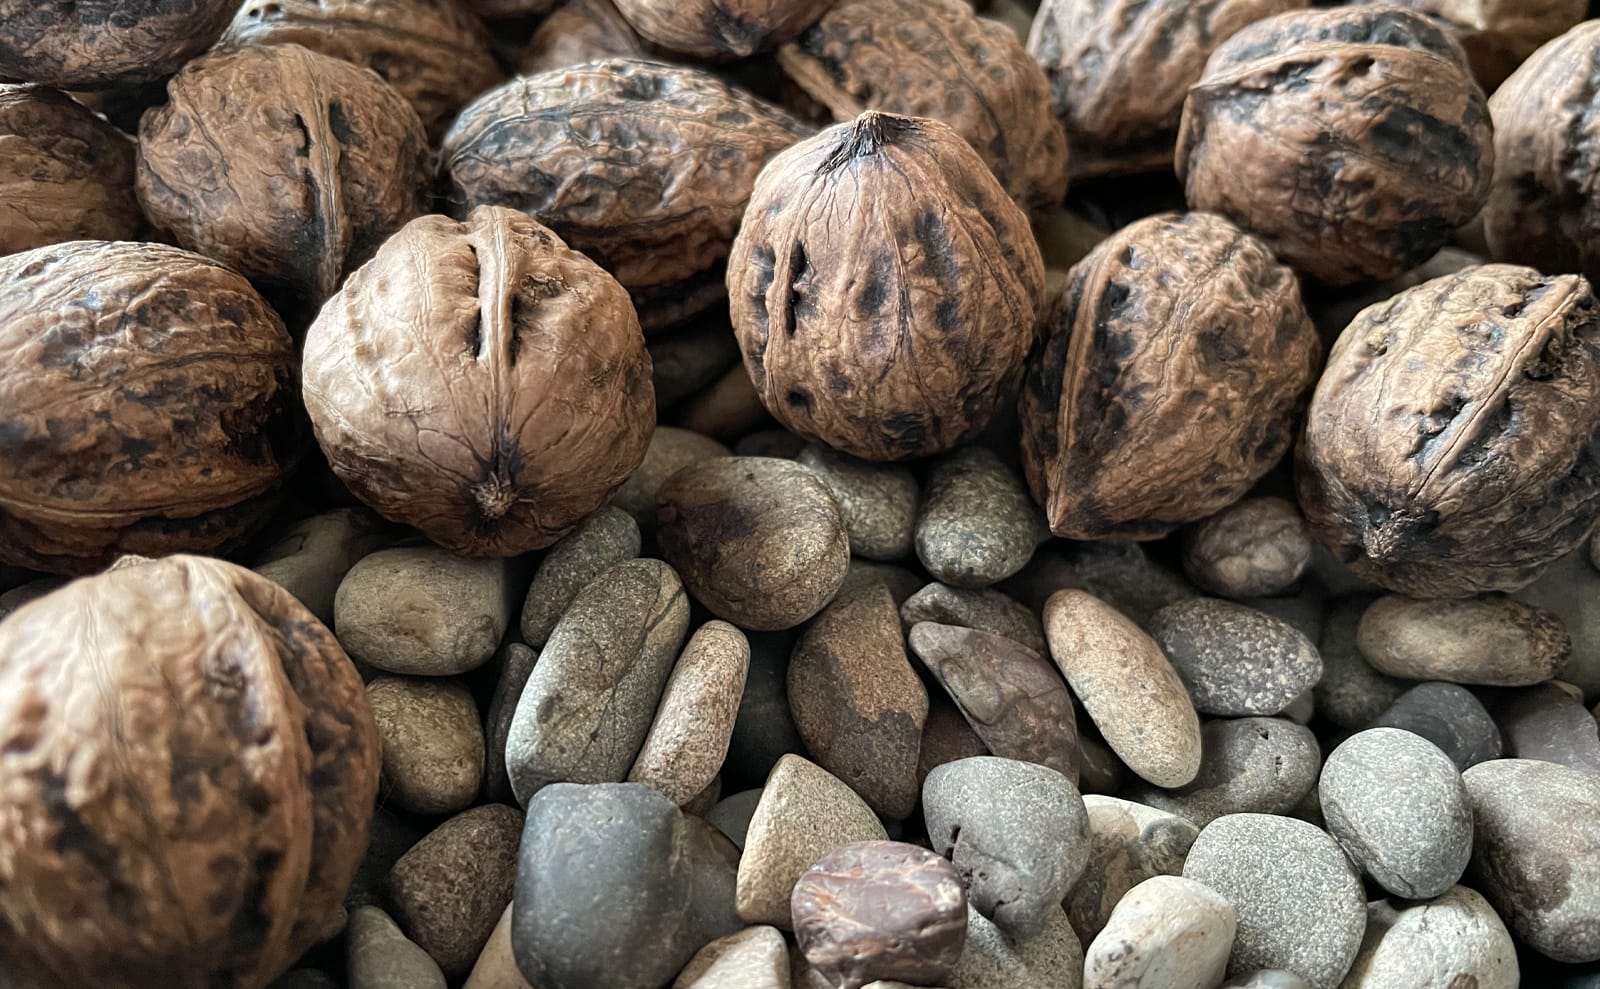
(68, 173)
(87, 44)
(1453, 443)
(288, 165)
(1498, 35)
(1180, 342)
(1544, 206)
(481, 381)
(581, 31)
(189, 766)
(936, 58)
(433, 52)
(721, 29)
(1120, 69)
(642, 166)
(1353, 140)
(147, 405)
(884, 288)
(494, 10)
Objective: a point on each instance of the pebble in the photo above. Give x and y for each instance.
(984, 609)
(1017, 832)
(450, 888)
(1128, 843)
(978, 524)
(1545, 723)
(880, 910)
(879, 501)
(1397, 805)
(589, 701)
(857, 702)
(1269, 978)
(1014, 699)
(419, 610)
(689, 737)
(1300, 904)
(314, 554)
(1236, 661)
(601, 541)
(1305, 609)
(1351, 693)
(945, 738)
(1570, 588)
(303, 978)
(996, 960)
(1118, 573)
(754, 958)
(1099, 769)
(496, 967)
(1449, 716)
(671, 449)
(516, 665)
(1254, 547)
(433, 748)
(1455, 940)
(728, 408)
(378, 956)
(1167, 933)
(763, 730)
(770, 443)
(731, 815)
(804, 812)
(1248, 765)
(1126, 686)
(686, 360)
(1536, 853)
(1489, 641)
(902, 583)
(714, 872)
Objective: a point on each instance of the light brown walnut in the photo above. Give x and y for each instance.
(721, 29)
(89, 44)
(1498, 35)
(581, 31)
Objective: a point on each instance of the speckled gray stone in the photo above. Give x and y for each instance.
(1247, 765)
(1544, 722)
(1236, 661)
(313, 555)
(1128, 843)
(1455, 940)
(694, 721)
(754, 958)
(770, 443)
(995, 960)
(879, 501)
(516, 665)
(1490, 640)
(1254, 547)
(670, 450)
(978, 524)
(449, 890)
(1449, 716)
(419, 610)
(378, 956)
(1351, 693)
(1167, 933)
(984, 609)
(601, 541)
(433, 747)
(731, 815)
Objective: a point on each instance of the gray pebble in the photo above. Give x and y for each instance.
(450, 889)
(433, 748)
(1119, 573)
(516, 665)
(314, 554)
(778, 443)
(1545, 723)
(714, 873)
(1235, 660)
(1489, 640)
(994, 959)
(879, 501)
(1254, 547)
(754, 958)
(1570, 589)
(1128, 843)
(670, 450)
(1455, 940)
(1449, 716)
(1167, 933)
(984, 609)
(684, 361)
(707, 798)
(601, 541)
(1247, 766)
(689, 736)
(978, 524)
(1351, 693)
(731, 815)
(763, 730)
(421, 611)
(378, 956)
(1303, 708)
(1267, 978)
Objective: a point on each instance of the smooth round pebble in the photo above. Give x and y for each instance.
(1351, 693)
(419, 610)
(671, 449)
(1167, 933)
(1254, 547)
(1249, 766)
(451, 887)
(981, 608)
(879, 501)
(1128, 843)
(993, 959)
(312, 557)
(496, 967)
(1236, 661)
(978, 524)
(754, 958)
(378, 956)
(601, 541)
(1455, 940)
(433, 748)
(1449, 716)
(689, 737)
(1491, 641)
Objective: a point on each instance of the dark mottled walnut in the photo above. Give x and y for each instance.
(721, 29)
(68, 174)
(936, 58)
(190, 769)
(884, 288)
(1180, 341)
(1119, 70)
(1544, 207)
(581, 31)
(1498, 35)
(880, 910)
(88, 44)
(433, 52)
(642, 166)
(481, 381)
(1453, 443)
(285, 164)
(1352, 140)
(148, 405)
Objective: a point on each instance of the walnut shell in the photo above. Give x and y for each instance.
(1544, 205)
(482, 382)
(936, 58)
(190, 769)
(580, 31)
(288, 165)
(494, 10)
(1352, 140)
(642, 166)
(1498, 35)
(1175, 363)
(146, 405)
(1119, 70)
(721, 29)
(1453, 443)
(87, 44)
(68, 174)
(884, 288)
(433, 52)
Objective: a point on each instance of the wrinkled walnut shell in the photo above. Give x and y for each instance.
(1180, 344)
(146, 405)
(581, 31)
(494, 10)
(884, 288)
(189, 766)
(1453, 444)
(482, 382)
(1498, 35)
(1352, 140)
(87, 44)
(721, 29)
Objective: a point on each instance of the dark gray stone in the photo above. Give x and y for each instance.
(1449, 716)
(1544, 722)
(604, 539)
(1247, 765)
(1351, 693)
(763, 730)
(1235, 660)
(516, 665)
(731, 815)
(984, 609)
(978, 524)
(994, 959)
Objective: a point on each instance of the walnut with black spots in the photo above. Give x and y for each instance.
(721, 29)
(1498, 35)
(90, 44)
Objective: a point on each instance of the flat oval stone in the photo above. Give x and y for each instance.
(981, 608)
(1127, 687)
(419, 610)
(433, 748)
(496, 967)
(1351, 693)
(1450, 717)
(1455, 940)
(601, 541)
(671, 449)
(1545, 722)
(689, 737)
(1254, 547)
(1236, 661)
(1128, 843)
(1299, 902)
(1490, 641)
(1249, 766)
(978, 524)
(754, 958)
(1053, 959)
(1167, 933)
(378, 956)
(879, 501)
(313, 555)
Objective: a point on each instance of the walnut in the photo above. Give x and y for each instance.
(580, 31)
(1352, 140)
(1180, 342)
(190, 769)
(68, 174)
(149, 405)
(433, 52)
(721, 29)
(1544, 205)
(1498, 34)
(495, 10)
(642, 166)
(287, 165)
(1119, 70)
(884, 288)
(480, 381)
(936, 58)
(1453, 443)
(87, 44)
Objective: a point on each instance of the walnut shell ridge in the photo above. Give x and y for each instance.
(581, 31)
(884, 288)
(1169, 380)
(190, 767)
(721, 29)
(1453, 443)
(502, 9)
(88, 44)
(481, 381)
(1498, 35)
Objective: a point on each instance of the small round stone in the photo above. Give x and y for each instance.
(671, 449)
(984, 609)
(1450, 717)
(694, 722)
(1247, 766)
(421, 611)
(1236, 661)
(879, 501)
(978, 524)
(1253, 548)
(1128, 843)
(601, 541)
(1455, 940)
(1491, 640)
(378, 956)
(433, 749)
(449, 890)
(1351, 693)
(754, 958)
(1167, 933)
(1119, 573)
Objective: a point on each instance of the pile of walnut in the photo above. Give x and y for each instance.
(455, 261)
